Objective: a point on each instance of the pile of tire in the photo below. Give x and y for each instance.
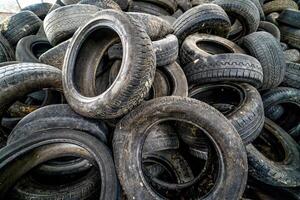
(151, 99)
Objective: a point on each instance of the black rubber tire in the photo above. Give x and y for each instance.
(30, 188)
(247, 117)
(176, 79)
(275, 112)
(127, 145)
(60, 24)
(146, 7)
(138, 64)
(160, 87)
(6, 51)
(156, 27)
(243, 10)
(279, 5)
(291, 55)
(286, 97)
(18, 80)
(40, 9)
(207, 18)
(267, 50)
(290, 17)
(272, 18)
(56, 55)
(290, 36)
(292, 75)
(123, 4)
(184, 5)
(260, 9)
(30, 48)
(103, 4)
(69, 2)
(161, 137)
(191, 49)
(169, 5)
(270, 28)
(166, 50)
(283, 173)
(20, 25)
(47, 146)
(232, 67)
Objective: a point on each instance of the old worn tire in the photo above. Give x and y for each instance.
(243, 10)
(247, 117)
(20, 25)
(148, 8)
(56, 55)
(17, 80)
(260, 9)
(138, 64)
(40, 9)
(275, 112)
(69, 2)
(292, 75)
(48, 146)
(232, 67)
(200, 46)
(207, 18)
(270, 28)
(272, 18)
(6, 50)
(103, 4)
(279, 5)
(267, 50)
(282, 173)
(60, 24)
(30, 48)
(169, 5)
(290, 17)
(156, 27)
(291, 55)
(290, 35)
(127, 145)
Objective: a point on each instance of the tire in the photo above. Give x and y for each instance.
(17, 80)
(60, 24)
(290, 36)
(2, 64)
(166, 50)
(184, 5)
(279, 172)
(155, 27)
(247, 116)
(69, 2)
(232, 67)
(291, 55)
(272, 18)
(103, 4)
(6, 51)
(169, 5)
(31, 47)
(270, 28)
(200, 46)
(292, 75)
(30, 188)
(126, 143)
(176, 79)
(243, 10)
(260, 9)
(40, 9)
(289, 99)
(161, 137)
(146, 7)
(47, 146)
(56, 55)
(290, 17)
(275, 112)
(138, 65)
(20, 25)
(160, 87)
(267, 50)
(279, 5)
(177, 14)
(207, 18)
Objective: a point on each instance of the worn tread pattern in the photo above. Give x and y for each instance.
(292, 75)
(6, 51)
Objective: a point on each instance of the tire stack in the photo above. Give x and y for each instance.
(150, 99)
